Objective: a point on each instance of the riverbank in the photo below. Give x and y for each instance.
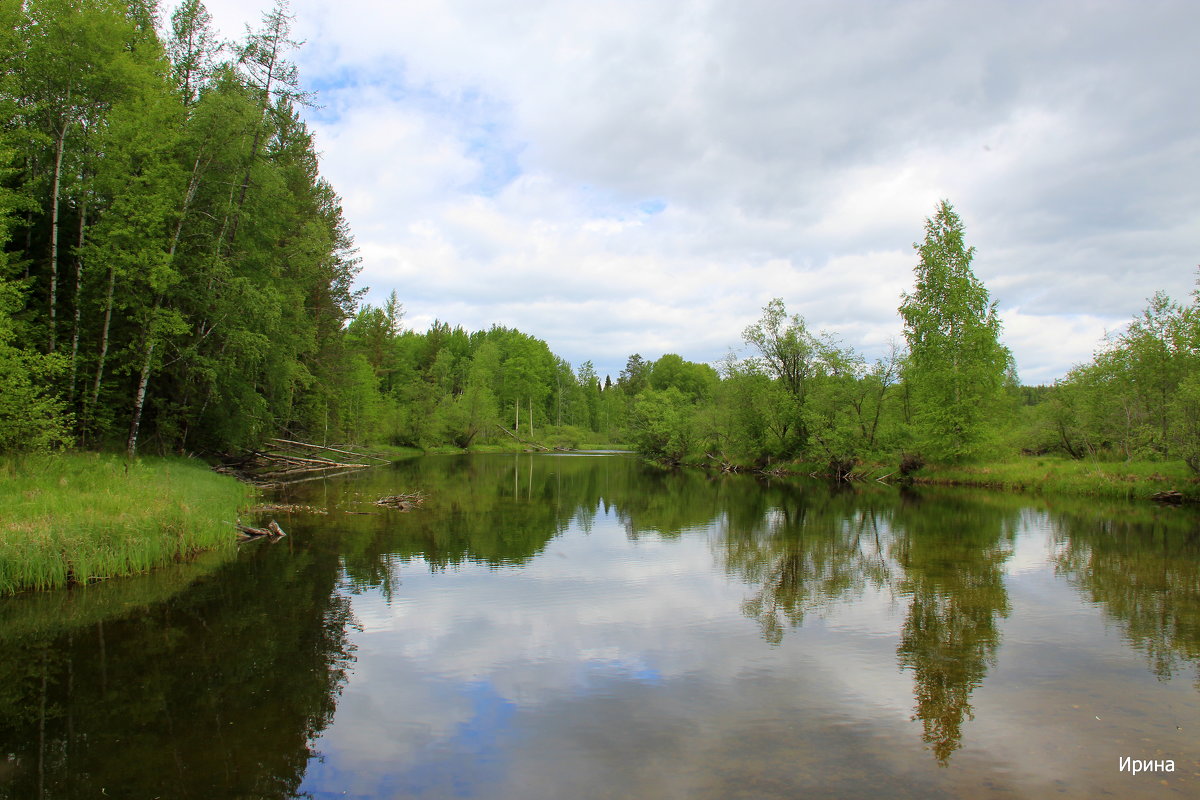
(79, 517)
(1117, 480)
(1120, 480)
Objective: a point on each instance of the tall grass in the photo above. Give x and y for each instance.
(1051, 475)
(78, 517)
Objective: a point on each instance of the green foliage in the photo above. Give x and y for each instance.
(636, 375)
(1185, 411)
(956, 365)
(197, 316)
(1137, 398)
(661, 424)
(187, 283)
(31, 417)
(697, 381)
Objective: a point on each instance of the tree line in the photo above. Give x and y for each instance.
(177, 276)
(175, 268)
(947, 393)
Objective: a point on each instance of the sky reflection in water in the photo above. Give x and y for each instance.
(587, 627)
(700, 638)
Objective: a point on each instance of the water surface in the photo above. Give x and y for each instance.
(552, 626)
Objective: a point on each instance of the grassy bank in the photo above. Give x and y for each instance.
(79, 517)
(1047, 475)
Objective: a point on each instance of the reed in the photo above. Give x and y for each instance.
(81, 517)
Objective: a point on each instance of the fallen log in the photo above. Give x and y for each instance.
(272, 531)
(278, 465)
(1169, 496)
(290, 459)
(332, 449)
(273, 475)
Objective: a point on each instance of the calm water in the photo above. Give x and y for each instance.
(575, 626)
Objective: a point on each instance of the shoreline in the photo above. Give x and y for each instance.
(80, 517)
(1037, 475)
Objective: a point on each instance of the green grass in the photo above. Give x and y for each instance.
(80, 517)
(1052, 475)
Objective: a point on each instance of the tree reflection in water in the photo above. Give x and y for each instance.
(1143, 568)
(218, 691)
(220, 680)
(806, 553)
(812, 550)
(952, 556)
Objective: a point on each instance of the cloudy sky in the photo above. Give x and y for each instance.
(619, 176)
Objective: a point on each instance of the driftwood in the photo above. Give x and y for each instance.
(281, 465)
(326, 462)
(332, 450)
(1169, 496)
(402, 502)
(272, 531)
(725, 464)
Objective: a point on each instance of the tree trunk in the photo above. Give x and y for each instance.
(139, 401)
(254, 145)
(108, 307)
(56, 184)
(28, 239)
(78, 292)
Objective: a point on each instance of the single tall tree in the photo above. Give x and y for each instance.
(957, 366)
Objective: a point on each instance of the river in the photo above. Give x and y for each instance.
(585, 626)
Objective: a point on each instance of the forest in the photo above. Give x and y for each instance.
(177, 277)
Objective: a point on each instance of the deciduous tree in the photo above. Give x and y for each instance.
(956, 366)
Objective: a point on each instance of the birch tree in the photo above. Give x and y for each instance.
(956, 366)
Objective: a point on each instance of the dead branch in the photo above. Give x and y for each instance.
(331, 449)
(523, 441)
(298, 460)
(272, 531)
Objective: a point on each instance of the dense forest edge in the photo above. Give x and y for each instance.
(176, 278)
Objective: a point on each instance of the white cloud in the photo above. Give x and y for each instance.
(497, 162)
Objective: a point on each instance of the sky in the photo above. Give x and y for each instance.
(620, 176)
